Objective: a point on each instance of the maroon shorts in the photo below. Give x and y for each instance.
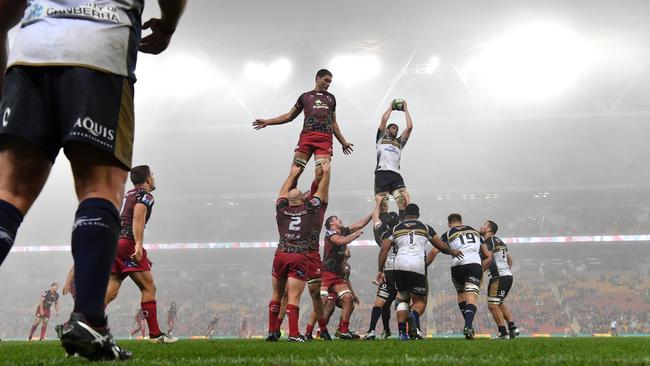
(331, 279)
(45, 314)
(123, 261)
(314, 265)
(315, 143)
(287, 265)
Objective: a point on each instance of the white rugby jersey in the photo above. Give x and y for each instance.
(465, 239)
(389, 152)
(98, 34)
(411, 238)
(499, 250)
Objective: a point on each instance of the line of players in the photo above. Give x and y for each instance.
(402, 274)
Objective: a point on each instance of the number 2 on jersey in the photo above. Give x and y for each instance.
(294, 225)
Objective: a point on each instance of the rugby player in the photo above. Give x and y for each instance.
(409, 239)
(383, 223)
(171, 317)
(500, 281)
(48, 298)
(131, 259)
(62, 90)
(388, 179)
(330, 300)
(138, 321)
(319, 107)
(295, 218)
(337, 238)
(467, 271)
(212, 327)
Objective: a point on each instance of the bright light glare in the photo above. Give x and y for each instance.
(530, 63)
(176, 75)
(354, 68)
(274, 73)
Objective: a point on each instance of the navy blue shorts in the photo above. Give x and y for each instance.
(51, 106)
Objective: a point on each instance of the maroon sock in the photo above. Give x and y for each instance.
(43, 330)
(293, 313)
(31, 332)
(278, 323)
(309, 330)
(344, 326)
(274, 310)
(150, 314)
(322, 324)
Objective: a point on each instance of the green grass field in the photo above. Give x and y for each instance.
(456, 352)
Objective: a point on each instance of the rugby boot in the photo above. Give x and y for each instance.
(79, 338)
(309, 337)
(386, 334)
(370, 336)
(468, 333)
(514, 332)
(299, 338)
(345, 335)
(325, 336)
(502, 336)
(272, 337)
(163, 339)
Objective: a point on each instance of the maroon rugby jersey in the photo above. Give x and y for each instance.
(319, 108)
(314, 245)
(334, 255)
(49, 298)
(295, 224)
(132, 198)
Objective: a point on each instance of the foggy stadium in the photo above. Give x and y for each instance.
(531, 114)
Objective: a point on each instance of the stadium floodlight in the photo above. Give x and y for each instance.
(531, 62)
(353, 68)
(274, 73)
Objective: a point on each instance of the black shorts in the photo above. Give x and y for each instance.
(412, 282)
(467, 278)
(387, 289)
(498, 289)
(388, 181)
(51, 106)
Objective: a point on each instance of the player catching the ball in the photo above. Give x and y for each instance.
(388, 179)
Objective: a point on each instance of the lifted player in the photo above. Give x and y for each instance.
(70, 85)
(320, 123)
(337, 239)
(383, 224)
(295, 218)
(48, 297)
(131, 259)
(409, 239)
(466, 271)
(388, 179)
(500, 281)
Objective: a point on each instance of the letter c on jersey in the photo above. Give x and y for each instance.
(5, 117)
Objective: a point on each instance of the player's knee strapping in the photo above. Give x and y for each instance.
(318, 163)
(340, 294)
(472, 287)
(300, 162)
(403, 306)
(313, 281)
(494, 300)
(399, 198)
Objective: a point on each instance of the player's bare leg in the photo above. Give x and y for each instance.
(295, 287)
(300, 159)
(114, 285)
(24, 168)
(507, 316)
(344, 296)
(282, 313)
(402, 199)
(37, 321)
(497, 315)
(144, 281)
(383, 196)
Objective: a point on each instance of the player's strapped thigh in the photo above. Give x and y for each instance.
(400, 195)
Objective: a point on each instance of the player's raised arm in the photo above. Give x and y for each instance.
(384, 118)
(409, 125)
(162, 28)
(260, 123)
(347, 146)
(338, 239)
(444, 248)
(361, 223)
(10, 13)
(290, 181)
